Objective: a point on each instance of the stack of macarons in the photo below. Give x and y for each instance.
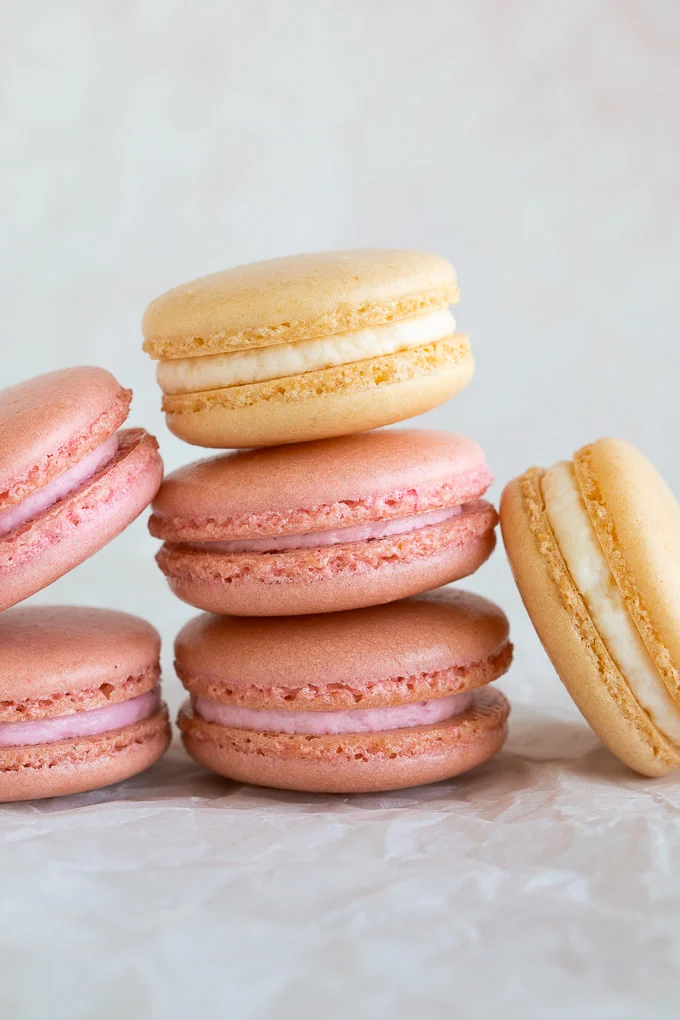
(79, 688)
(320, 663)
(328, 657)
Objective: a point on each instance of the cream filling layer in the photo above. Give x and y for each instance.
(340, 536)
(590, 571)
(351, 720)
(237, 368)
(60, 487)
(81, 724)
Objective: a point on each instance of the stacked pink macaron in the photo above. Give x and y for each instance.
(70, 481)
(319, 664)
(325, 526)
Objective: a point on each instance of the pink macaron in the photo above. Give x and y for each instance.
(80, 704)
(69, 480)
(323, 526)
(371, 699)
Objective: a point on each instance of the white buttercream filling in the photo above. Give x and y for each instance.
(236, 368)
(590, 571)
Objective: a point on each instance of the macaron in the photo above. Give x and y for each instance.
(80, 704)
(70, 481)
(329, 525)
(368, 700)
(307, 347)
(594, 545)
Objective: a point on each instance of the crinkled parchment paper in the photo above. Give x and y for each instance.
(546, 884)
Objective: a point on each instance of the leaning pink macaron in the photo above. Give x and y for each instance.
(372, 699)
(324, 526)
(69, 480)
(80, 703)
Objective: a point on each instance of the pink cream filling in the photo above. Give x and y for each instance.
(81, 724)
(314, 539)
(353, 720)
(59, 487)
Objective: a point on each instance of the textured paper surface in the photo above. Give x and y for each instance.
(542, 885)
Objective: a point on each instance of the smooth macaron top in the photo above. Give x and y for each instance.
(369, 476)
(336, 653)
(52, 650)
(48, 422)
(636, 519)
(295, 298)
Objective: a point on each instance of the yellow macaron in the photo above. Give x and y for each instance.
(594, 544)
(307, 347)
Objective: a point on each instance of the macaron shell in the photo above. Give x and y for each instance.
(295, 298)
(442, 642)
(637, 521)
(330, 578)
(331, 402)
(352, 763)
(48, 422)
(60, 659)
(66, 767)
(319, 486)
(569, 636)
(75, 528)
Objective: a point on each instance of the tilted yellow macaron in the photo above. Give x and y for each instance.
(307, 347)
(594, 545)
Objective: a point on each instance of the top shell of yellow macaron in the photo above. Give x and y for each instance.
(307, 347)
(297, 297)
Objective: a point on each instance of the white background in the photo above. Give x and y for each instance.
(535, 144)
